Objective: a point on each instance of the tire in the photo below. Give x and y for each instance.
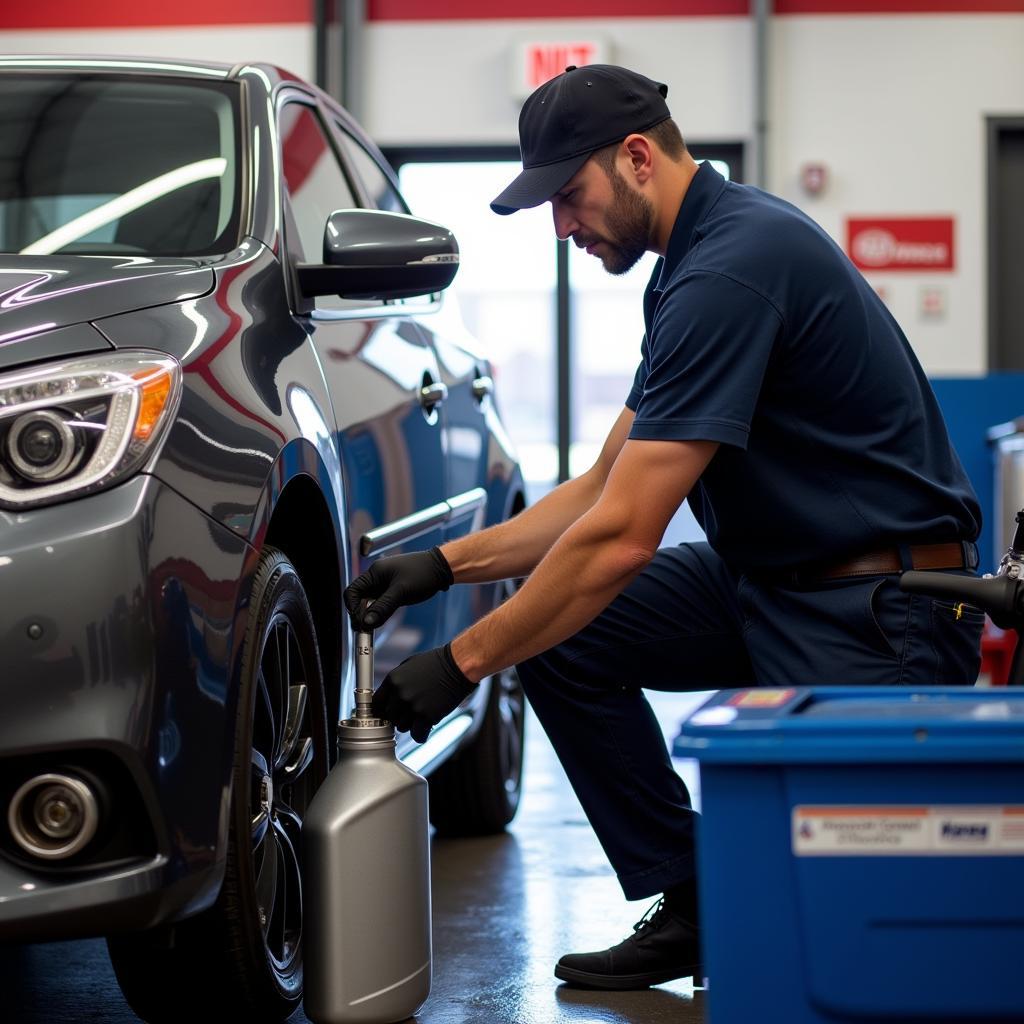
(477, 791)
(242, 958)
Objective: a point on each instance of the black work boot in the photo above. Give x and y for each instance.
(663, 946)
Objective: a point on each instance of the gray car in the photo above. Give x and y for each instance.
(228, 382)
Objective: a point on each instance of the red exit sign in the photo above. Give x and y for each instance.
(539, 62)
(900, 243)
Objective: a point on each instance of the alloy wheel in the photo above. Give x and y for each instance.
(281, 788)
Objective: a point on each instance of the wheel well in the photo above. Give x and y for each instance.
(301, 528)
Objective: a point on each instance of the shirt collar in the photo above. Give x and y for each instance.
(705, 187)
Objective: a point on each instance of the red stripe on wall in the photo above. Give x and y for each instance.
(473, 10)
(68, 14)
(72, 14)
(899, 6)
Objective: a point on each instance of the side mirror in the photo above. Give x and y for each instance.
(375, 254)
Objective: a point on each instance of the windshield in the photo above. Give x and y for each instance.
(103, 165)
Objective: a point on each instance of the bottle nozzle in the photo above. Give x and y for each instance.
(364, 675)
(363, 720)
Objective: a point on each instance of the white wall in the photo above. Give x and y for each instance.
(290, 46)
(437, 81)
(895, 107)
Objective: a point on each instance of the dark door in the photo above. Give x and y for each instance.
(1006, 243)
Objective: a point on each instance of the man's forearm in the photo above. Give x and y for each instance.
(545, 611)
(515, 548)
(592, 561)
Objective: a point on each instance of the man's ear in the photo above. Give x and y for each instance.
(640, 151)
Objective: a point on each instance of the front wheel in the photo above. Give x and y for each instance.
(245, 953)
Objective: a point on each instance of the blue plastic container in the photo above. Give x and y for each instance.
(861, 854)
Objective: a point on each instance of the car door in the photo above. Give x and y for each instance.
(383, 379)
(468, 409)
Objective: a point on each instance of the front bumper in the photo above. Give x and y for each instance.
(119, 634)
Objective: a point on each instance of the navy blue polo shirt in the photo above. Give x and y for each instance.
(763, 336)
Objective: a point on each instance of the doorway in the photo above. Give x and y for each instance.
(563, 335)
(1006, 243)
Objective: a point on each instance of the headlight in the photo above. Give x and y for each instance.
(72, 427)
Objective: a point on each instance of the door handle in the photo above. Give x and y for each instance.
(482, 387)
(433, 394)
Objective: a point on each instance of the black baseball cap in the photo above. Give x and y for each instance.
(570, 117)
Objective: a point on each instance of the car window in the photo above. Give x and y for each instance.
(106, 165)
(383, 194)
(316, 187)
(316, 184)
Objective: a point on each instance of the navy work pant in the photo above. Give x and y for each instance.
(688, 623)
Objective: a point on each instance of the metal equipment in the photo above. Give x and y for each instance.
(1001, 595)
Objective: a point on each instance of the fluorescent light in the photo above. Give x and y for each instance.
(115, 208)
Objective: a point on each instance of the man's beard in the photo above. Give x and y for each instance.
(629, 220)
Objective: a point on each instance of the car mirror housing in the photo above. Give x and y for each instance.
(376, 254)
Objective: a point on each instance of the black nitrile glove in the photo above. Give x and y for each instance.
(396, 581)
(415, 696)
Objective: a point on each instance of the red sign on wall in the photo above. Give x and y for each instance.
(900, 243)
(546, 60)
(537, 62)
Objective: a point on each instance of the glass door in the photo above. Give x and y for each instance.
(512, 299)
(505, 291)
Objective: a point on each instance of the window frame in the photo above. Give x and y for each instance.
(292, 244)
(345, 138)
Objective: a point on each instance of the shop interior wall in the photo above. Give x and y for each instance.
(892, 106)
(456, 80)
(895, 108)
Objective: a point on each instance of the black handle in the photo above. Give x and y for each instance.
(1017, 544)
(1000, 596)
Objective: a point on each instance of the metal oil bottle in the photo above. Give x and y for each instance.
(366, 901)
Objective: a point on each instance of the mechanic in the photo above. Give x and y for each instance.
(778, 394)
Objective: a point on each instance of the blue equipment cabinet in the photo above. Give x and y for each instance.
(861, 854)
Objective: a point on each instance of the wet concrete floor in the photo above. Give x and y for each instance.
(505, 909)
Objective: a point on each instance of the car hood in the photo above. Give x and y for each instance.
(39, 294)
